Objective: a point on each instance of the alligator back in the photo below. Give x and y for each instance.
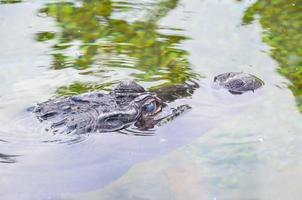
(76, 114)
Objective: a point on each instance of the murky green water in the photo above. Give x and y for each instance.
(225, 147)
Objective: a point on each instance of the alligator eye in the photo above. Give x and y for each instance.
(151, 107)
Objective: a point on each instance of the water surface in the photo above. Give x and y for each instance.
(225, 147)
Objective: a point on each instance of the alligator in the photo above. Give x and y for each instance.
(128, 104)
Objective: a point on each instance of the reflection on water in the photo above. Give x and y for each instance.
(225, 147)
(282, 21)
(10, 1)
(81, 87)
(4, 158)
(96, 37)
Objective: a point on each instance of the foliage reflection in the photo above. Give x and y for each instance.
(97, 37)
(282, 21)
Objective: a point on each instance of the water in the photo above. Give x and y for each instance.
(225, 147)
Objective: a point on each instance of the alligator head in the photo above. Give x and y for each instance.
(129, 104)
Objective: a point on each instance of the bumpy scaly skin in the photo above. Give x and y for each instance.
(78, 114)
(238, 82)
(124, 106)
(97, 111)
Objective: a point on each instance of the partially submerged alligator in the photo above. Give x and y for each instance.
(129, 104)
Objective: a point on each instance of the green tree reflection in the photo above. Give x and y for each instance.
(282, 21)
(10, 1)
(106, 35)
